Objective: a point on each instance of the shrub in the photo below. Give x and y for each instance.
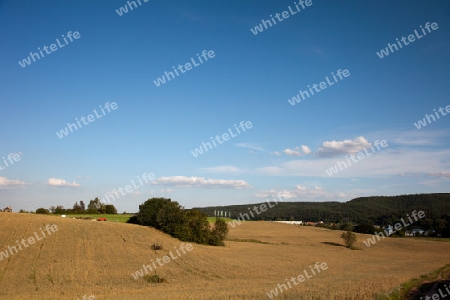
(154, 278)
(157, 246)
(42, 210)
(349, 239)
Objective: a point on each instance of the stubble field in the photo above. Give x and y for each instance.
(98, 258)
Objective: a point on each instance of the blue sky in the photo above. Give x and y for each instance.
(250, 78)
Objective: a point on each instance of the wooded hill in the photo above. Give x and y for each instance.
(375, 209)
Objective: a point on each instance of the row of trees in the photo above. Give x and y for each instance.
(382, 210)
(436, 228)
(375, 210)
(94, 207)
(187, 225)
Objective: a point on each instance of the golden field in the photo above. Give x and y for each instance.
(98, 258)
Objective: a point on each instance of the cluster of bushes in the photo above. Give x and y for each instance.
(94, 207)
(187, 225)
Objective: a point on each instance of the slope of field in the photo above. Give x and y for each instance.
(98, 258)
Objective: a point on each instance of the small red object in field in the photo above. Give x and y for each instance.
(101, 219)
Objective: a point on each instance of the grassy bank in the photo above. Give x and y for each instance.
(424, 285)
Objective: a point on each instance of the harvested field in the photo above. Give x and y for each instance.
(98, 258)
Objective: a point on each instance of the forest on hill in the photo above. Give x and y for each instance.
(381, 210)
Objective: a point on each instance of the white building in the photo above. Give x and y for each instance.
(291, 222)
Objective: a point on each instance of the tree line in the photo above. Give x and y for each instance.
(94, 207)
(374, 210)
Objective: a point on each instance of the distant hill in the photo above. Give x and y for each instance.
(376, 209)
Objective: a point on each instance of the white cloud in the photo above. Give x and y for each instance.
(440, 174)
(134, 194)
(56, 182)
(381, 163)
(7, 184)
(273, 194)
(252, 146)
(222, 169)
(418, 137)
(201, 182)
(306, 149)
(292, 152)
(297, 151)
(276, 153)
(303, 193)
(336, 148)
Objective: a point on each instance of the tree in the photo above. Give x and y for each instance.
(82, 206)
(95, 207)
(172, 220)
(198, 224)
(349, 239)
(110, 209)
(219, 233)
(42, 210)
(60, 210)
(148, 211)
(77, 208)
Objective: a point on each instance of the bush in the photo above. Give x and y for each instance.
(349, 239)
(42, 210)
(157, 246)
(154, 278)
(186, 225)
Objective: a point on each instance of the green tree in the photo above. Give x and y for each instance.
(82, 206)
(349, 239)
(219, 233)
(110, 209)
(59, 210)
(96, 207)
(148, 211)
(198, 224)
(42, 210)
(186, 225)
(77, 208)
(172, 220)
